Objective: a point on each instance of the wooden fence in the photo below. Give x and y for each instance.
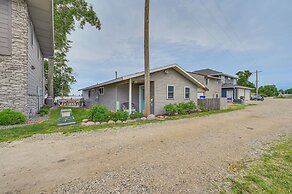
(213, 103)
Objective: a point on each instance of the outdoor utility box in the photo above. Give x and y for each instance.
(49, 101)
(66, 118)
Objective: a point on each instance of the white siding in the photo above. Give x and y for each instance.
(35, 72)
(240, 93)
(161, 80)
(247, 95)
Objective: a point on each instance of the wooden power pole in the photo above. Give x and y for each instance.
(146, 59)
(51, 77)
(257, 82)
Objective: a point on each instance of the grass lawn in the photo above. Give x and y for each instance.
(271, 173)
(50, 126)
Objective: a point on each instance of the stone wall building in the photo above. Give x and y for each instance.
(26, 38)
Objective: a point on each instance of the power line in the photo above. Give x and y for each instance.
(211, 35)
(228, 24)
(219, 25)
(236, 36)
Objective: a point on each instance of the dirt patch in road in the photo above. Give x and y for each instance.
(184, 156)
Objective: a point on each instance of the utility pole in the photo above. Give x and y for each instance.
(146, 59)
(51, 77)
(257, 81)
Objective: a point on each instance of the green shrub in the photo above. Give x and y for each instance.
(44, 110)
(190, 107)
(136, 115)
(99, 114)
(171, 109)
(203, 109)
(181, 108)
(237, 101)
(119, 115)
(11, 117)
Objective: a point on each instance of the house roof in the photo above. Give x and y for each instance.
(212, 72)
(41, 14)
(227, 85)
(201, 78)
(207, 72)
(195, 74)
(134, 75)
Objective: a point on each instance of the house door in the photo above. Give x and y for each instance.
(141, 99)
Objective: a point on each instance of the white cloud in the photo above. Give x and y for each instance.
(187, 32)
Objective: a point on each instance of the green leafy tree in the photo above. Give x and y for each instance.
(63, 78)
(243, 79)
(281, 91)
(268, 90)
(67, 15)
(288, 91)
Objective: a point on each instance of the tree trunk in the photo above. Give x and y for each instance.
(146, 59)
(51, 77)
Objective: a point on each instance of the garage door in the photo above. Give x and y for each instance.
(240, 93)
(247, 94)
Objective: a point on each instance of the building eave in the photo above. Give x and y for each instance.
(42, 17)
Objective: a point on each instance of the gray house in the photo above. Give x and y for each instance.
(26, 38)
(214, 85)
(230, 89)
(169, 84)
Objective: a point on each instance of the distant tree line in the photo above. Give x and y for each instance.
(267, 90)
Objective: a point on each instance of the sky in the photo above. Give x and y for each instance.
(225, 35)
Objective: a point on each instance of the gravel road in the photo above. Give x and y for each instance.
(184, 156)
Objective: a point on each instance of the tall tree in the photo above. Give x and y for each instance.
(268, 90)
(243, 79)
(66, 14)
(146, 59)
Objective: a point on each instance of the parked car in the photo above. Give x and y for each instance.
(257, 98)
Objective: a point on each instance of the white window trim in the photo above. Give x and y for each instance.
(185, 93)
(167, 92)
(102, 90)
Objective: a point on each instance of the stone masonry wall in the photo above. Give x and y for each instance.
(14, 68)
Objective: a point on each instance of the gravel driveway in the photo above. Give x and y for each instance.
(184, 156)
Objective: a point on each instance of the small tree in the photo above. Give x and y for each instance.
(243, 79)
(268, 90)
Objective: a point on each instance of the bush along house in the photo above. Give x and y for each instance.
(169, 84)
(26, 38)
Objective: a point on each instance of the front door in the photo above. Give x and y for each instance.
(141, 99)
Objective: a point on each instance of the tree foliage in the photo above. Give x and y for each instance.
(243, 79)
(288, 91)
(67, 15)
(268, 90)
(63, 78)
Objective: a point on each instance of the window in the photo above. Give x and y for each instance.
(5, 27)
(207, 81)
(101, 91)
(170, 92)
(187, 92)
